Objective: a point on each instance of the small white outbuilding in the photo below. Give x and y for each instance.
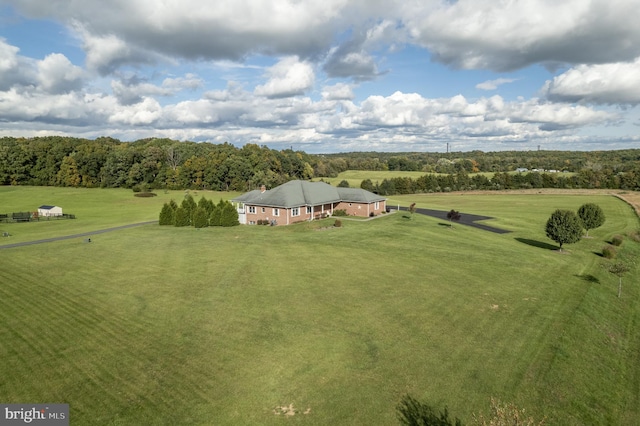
(49, 211)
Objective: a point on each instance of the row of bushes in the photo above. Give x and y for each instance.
(199, 215)
(610, 250)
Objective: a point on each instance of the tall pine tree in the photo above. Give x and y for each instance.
(200, 218)
(167, 215)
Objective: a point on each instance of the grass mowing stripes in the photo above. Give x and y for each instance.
(163, 325)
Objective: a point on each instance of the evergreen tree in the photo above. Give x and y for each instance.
(229, 215)
(367, 185)
(387, 187)
(591, 215)
(182, 217)
(200, 218)
(167, 215)
(343, 184)
(216, 216)
(564, 227)
(206, 204)
(189, 205)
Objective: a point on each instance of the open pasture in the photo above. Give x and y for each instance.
(225, 326)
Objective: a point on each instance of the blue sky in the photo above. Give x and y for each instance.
(331, 76)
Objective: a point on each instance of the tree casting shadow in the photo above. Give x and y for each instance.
(538, 244)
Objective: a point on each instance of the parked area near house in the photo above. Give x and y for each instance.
(298, 201)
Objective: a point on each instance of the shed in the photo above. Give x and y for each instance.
(47, 210)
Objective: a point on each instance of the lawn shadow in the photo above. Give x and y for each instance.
(589, 278)
(597, 254)
(538, 244)
(448, 225)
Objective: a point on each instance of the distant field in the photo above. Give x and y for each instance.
(175, 326)
(355, 177)
(94, 208)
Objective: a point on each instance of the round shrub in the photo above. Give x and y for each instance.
(635, 235)
(617, 240)
(608, 252)
(340, 212)
(337, 223)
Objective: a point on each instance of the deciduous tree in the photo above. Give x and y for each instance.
(564, 227)
(453, 215)
(412, 412)
(591, 215)
(618, 269)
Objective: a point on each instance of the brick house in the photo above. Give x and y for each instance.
(298, 200)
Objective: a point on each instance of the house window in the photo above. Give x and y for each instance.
(377, 205)
(309, 209)
(252, 209)
(263, 210)
(276, 212)
(295, 211)
(252, 222)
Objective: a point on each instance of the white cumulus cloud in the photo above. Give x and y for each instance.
(289, 77)
(616, 83)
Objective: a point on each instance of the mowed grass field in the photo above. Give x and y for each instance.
(163, 325)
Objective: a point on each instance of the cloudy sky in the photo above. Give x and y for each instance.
(326, 76)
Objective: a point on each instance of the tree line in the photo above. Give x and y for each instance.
(479, 161)
(153, 163)
(164, 163)
(462, 181)
(202, 214)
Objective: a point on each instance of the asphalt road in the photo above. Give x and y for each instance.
(68, 237)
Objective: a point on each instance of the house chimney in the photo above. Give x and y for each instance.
(263, 188)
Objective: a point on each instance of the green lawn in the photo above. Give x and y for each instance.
(94, 208)
(163, 325)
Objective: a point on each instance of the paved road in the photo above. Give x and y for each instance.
(68, 237)
(465, 219)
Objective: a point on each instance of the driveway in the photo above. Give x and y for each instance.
(465, 219)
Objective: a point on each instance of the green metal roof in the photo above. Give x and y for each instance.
(303, 193)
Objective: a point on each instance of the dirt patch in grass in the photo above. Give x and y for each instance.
(289, 410)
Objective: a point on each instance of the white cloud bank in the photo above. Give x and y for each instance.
(325, 53)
